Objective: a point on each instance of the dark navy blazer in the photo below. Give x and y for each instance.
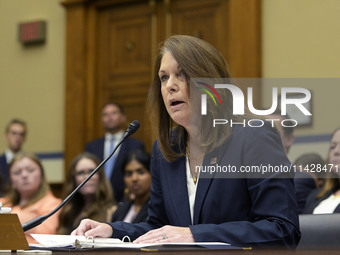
(4, 168)
(96, 147)
(123, 209)
(240, 211)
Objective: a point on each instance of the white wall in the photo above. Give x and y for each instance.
(301, 40)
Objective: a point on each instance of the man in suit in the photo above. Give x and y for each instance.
(113, 120)
(15, 135)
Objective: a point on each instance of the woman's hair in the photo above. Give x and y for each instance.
(44, 188)
(332, 180)
(140, 156)
(197, 59)
(308, 159)
(103, 196)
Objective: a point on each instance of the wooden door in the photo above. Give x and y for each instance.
(111, 45)
(124, 60)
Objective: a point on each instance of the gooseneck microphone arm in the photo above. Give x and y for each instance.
(37, 221)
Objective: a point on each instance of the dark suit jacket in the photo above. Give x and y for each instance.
(312, 202)
(96, 147)
(304, 184)
(123, 209)
(241, 211)
(4, 168)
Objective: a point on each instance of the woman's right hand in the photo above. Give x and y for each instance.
(93, 228)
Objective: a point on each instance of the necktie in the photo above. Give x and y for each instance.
(110, 163)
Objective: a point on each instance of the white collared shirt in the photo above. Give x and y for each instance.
(192, 188)
(9, 156)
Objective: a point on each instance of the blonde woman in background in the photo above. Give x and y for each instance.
(29, 194)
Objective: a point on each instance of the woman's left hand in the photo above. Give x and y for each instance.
(167, 234)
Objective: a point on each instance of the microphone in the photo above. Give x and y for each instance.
(132, 128)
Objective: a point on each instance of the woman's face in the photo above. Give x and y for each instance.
(26, 177)
(174, 89)
(334, 150)
(137, 179)
(83, 169)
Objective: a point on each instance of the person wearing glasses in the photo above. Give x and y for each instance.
(94, 200)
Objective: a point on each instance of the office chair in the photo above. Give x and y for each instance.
(319, 231)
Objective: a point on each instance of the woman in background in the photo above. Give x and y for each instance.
(137, 180)
(327, 198)
(29, 194)
(94, 200)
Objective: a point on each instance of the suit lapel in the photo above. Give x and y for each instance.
(201, 192)
(178, 187)
(205, 181)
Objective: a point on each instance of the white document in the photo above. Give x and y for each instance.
(68, 241)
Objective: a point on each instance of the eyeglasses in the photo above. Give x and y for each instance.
(83, 172)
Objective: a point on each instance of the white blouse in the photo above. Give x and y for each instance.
(192, 187)
(328, 205)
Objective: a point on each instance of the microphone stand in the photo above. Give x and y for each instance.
(37, 221)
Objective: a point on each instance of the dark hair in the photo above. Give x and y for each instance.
(197, 59)
(309, 158)
(140, 156)
(120, 107)
(16, 121)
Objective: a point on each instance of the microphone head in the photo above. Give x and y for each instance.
(133, 127)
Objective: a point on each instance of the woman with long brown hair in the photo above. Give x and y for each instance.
(94, 200)
(187, 203)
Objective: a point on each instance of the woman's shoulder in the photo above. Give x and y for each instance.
(49, 200)
(5, 201)
(312, 200)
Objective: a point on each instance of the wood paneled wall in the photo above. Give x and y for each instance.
(111, 45)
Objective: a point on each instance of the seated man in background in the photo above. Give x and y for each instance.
(113, 120)
(15, 135)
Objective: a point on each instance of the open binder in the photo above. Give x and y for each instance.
(67, 242)
(12, 236)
